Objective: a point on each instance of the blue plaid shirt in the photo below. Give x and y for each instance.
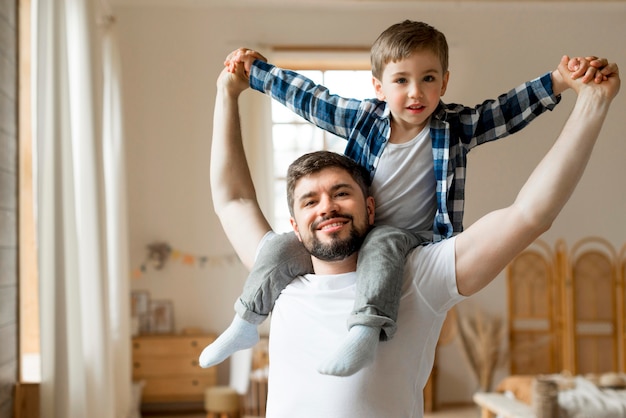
(454, 129)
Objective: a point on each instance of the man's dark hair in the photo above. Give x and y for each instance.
(319, 160)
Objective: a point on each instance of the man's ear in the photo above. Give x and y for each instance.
(444, 86)
(371, 209)
(294, 225)
(378, 88)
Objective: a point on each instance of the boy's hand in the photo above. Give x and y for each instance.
(609, 83)
(586, 68)
(245, 56)
(589, 68)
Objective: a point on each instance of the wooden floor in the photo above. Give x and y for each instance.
(457, 412)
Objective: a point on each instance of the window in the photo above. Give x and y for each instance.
(293, 136)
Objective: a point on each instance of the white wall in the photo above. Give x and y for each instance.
(173, 54)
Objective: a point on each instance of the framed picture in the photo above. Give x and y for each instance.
(161, 317)
(140, 302)
(140, 311)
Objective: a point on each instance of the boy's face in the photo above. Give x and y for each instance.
(412, 88)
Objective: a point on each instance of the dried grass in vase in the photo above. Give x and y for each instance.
(481, 338)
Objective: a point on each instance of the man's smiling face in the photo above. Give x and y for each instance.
(331, 214)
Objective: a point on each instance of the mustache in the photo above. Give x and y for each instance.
(315, 224)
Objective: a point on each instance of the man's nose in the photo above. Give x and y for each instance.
(327, 205)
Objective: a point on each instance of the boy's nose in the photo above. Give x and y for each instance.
(415, 92)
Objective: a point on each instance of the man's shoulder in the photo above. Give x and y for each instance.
(432, 259)
(431, 270)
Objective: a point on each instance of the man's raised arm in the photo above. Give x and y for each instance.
(232, 189)
(487, 246)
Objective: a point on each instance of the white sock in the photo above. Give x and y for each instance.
(356, 351)
(239, 335)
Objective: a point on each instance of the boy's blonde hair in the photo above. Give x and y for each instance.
(399, 41)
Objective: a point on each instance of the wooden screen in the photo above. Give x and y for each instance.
(531, 283)
(566, 308)
(621, 308)
(593, 273)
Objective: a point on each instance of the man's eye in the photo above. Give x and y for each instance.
(309, 203)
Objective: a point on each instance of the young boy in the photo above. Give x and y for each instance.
(414, 147)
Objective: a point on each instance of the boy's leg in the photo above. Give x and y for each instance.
(380, 271)
(279, 261)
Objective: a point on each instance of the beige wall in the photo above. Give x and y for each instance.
(172, 56)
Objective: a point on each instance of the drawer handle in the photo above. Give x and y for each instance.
(194, 382)
(136, 365)
(194, 363)
(136, 345)
(194, 343)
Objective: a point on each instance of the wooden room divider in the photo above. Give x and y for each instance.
(566, 308)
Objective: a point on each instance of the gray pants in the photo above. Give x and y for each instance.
(380, 270)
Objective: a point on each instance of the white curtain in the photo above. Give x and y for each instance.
(81, 214)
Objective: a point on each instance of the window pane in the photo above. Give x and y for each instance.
(334, 143)
(290, 142)
(315, 75)
(281, 114)
(352, 84)
(281, 210)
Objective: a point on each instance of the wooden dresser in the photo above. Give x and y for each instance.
(168, 364)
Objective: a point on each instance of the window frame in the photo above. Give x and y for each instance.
(28, 278)
(308, 58)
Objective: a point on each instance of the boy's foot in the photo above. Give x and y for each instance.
(356, 351)
(239, 335)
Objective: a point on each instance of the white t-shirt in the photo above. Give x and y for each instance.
(309, 322)
(404, 185)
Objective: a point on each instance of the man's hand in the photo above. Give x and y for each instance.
(588, 69)
(243, 56)
(232, 82)
(607, 81)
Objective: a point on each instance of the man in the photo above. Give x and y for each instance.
(331, 213)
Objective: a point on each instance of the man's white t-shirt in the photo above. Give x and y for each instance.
(309, 322)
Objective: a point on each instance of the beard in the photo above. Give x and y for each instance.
(337, 249)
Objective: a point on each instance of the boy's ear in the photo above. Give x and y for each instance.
(378, 89)
(444, 85)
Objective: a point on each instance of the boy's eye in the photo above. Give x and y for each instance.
(429, 78)
(401, 80)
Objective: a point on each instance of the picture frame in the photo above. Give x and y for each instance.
(161, 317)
(140, 311)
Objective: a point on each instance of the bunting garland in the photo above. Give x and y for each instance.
(159, 253)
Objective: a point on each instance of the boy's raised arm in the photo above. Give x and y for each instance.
(232, 189)
(487, 246)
